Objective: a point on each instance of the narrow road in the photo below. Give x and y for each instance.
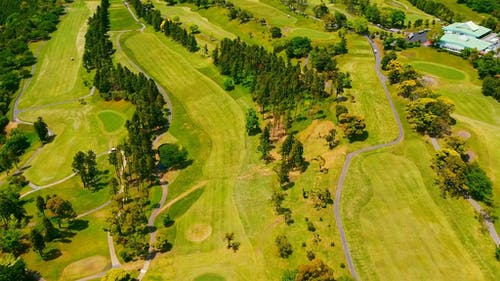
(489, 223)
(351, 155)
(152, 238)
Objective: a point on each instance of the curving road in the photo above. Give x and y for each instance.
(351, 155)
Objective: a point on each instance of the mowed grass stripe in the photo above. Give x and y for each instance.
(396, 227)
(371, 102)
(221, 118)
(58, 75)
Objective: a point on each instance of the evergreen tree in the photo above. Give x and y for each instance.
(37, 241)
(265, 143)
(42, 130)
(252, 122)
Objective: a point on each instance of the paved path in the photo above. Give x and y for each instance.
(489, 223)
(152, 238)
(351, 155)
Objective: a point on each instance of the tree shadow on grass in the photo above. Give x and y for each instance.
(78, 225)
(51, 254)
(361, 137)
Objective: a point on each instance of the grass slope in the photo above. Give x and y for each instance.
(475, 113)
(77, 125)
(215, 210)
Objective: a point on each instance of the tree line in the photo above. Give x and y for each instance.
(168, 27)
(488, 69)
(134, 160)
(438, 9)
(483, 6)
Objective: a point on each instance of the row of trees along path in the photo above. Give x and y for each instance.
(115, 263)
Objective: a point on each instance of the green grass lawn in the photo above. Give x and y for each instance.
(398, 225)
(86, 253)
(93, 124)
(468, 13)
(237, 185)
(77, 128)
(111, 120)
(439, 70)
(370, 101)
(55, 61)
(120, 18)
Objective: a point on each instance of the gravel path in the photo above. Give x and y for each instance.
(351, 155)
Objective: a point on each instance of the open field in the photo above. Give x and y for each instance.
(60, 60)
(78, 128)
(208, 107)
(398, 225)
(253, 183)
(370, 101)
(475, 113)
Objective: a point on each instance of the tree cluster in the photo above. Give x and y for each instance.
(276, 86)
(85, 165)
(488, 68)
(168, 27)
(13, 149)
(457, 177)
(242, 15)
(427, 112)
(285, 249)
(314, 270)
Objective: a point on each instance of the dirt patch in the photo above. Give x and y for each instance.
(471, 156)
(463, 134)
(11, 126)
(84, 267)
(198, 232)
(429, 81)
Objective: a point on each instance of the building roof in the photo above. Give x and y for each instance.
(467, 28)
(460, 42)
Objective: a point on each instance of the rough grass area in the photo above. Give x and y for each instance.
(210, 277)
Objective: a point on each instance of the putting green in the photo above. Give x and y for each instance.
(209, 277)
(111, 120)
(439, 70)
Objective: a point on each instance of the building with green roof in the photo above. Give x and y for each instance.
(457, 43)
(461, 35)
(467, 28)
